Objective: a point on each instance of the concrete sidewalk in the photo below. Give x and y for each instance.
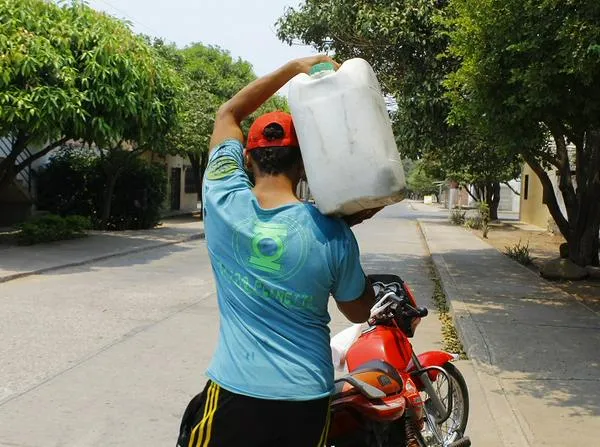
(536, 350)
(440, 210)
(19, 261)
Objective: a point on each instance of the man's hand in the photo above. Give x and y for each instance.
(251, 97)
(357, 218)
(304, 65)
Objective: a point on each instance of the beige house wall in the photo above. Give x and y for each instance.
(187, 201)
(533, 210)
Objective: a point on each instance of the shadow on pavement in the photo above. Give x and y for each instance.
(540, 341)
(409, 267)
(19, 260)
(151, 254)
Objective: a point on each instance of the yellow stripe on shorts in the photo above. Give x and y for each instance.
(210, 417)
(209, 409)
(325, 434)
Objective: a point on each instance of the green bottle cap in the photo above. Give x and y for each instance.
(323, 66)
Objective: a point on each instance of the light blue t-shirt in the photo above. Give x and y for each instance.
(275, 270)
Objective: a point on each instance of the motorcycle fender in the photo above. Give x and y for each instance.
(431, 358)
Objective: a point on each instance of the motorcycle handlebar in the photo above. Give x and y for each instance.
(419, 312)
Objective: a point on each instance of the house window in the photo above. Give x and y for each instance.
(526, 188)
(190, 184)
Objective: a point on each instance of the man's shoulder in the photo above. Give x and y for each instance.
(230, 143)
(226, 149)
(333, 228)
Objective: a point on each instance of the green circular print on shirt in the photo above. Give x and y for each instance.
(278, 247)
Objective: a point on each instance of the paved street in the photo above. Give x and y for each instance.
(109, 353)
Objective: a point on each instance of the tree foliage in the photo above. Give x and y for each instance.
(68, 72)
(401, 39)
(211, 76)
(530, 71)
(421, 182)
(405, 42)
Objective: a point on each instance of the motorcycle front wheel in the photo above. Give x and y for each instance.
(452, 429)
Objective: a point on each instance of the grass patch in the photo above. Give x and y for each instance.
(519, 252)
(450, 340)
(457, 217)
(50, 227)
(474, 223)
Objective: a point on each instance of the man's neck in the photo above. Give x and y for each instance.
(273, 191)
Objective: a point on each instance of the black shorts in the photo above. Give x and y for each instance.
(218, 418)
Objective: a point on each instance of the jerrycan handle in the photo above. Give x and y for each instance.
(321, 69)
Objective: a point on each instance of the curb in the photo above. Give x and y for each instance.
(508, 424)
(125, 252)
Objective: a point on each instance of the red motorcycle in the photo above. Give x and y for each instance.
(392, 397)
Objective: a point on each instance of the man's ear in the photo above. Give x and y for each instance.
(247, 160)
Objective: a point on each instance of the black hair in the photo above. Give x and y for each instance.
(276, 160)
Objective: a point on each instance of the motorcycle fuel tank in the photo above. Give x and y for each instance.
(380, 343)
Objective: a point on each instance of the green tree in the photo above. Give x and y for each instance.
(211, 77)
(71, 73)
(530, 74)
(478, 165)
(404, 40)
(420, 181)
(401, 39)
(408, 166)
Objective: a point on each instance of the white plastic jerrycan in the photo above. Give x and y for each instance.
(345, 134)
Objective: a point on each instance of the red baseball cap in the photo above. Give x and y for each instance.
(257, 138)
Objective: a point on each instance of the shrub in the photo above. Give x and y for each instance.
(52, 228)
(457, 217)
(138, 197)
(519, 253)
(74, 182)
(484, 216)
(78, 224)
(63, 185)
(474, 223)
(481, 220)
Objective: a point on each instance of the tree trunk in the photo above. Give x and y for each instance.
(583, 244)
(111, 181)
(548, 196)
(114, 163)
(515, 192)
(41, 153)
(8, 168)
(198, 162)
(492, 198)
(7, 172)
(583, 203)
(468, 189)
(480, 192)
(495, 201)
(582, 239)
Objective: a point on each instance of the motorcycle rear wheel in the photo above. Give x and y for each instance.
(440, 435)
